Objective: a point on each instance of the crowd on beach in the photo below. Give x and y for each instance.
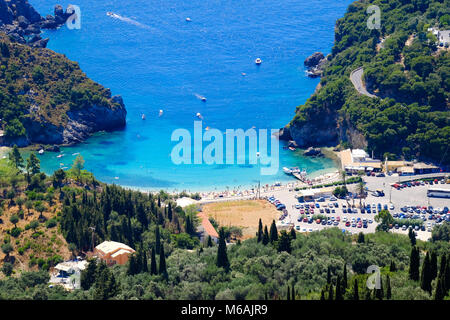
(252, 193)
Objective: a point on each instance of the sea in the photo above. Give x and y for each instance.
(166, 55)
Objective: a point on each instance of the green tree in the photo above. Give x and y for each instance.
(384, 219)
(260, 231)
(388, 288)
(414, 262)
(425, 276)
(222, 257)
(162, 262)
(153, 268)
(14, 219)
(273, 232)
(265, 239)
(339, 293)
(15, 158)
(33, 165)
(330, 292)
(87, 278)
(360, 238)
(78, 165)
(285, 242)
(158, 240)
(392, 267)
(412, 237)
(7, 249)
(433, 265)
(344, 278)
(58, 178)
(355, 290)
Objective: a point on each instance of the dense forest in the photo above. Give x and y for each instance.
(404, 66)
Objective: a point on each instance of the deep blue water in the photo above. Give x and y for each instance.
(157, 60)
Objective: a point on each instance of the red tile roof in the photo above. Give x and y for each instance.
(209, 229)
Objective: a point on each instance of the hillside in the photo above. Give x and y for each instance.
(46, 98)
(403, 66)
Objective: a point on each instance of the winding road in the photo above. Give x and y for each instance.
(356, 79)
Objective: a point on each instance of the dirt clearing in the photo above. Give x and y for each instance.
(242, 213)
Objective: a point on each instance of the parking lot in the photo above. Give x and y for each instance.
(393, 200)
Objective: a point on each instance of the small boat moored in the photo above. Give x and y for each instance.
(41, 151)
(258, 61)
(143, 116)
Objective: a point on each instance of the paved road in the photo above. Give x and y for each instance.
(356, 78)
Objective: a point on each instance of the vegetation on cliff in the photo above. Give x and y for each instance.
(403, 65)
(40, 87)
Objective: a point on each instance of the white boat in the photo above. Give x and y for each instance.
(143, 116)
(198, 115)
(287, 170)
(60, 155)
(188, 19)
(258, 61)
(41, 151)
(160, 113)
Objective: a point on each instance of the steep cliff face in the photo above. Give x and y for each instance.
(46, 98)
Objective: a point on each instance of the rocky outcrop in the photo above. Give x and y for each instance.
(81, 123)
(316, 132)
(21, 22)
(315, 64)
(313, 152)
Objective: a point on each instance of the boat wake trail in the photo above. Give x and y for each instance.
(128, 20)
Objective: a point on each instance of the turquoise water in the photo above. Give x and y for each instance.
(156, 60)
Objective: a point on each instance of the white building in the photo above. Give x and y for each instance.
(359, 155)
(443, 37)
(68, 274)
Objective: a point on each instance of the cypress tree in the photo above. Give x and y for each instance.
(425, 276)
(144, 261)
(293, 234)
(265, 239)
(446, 278)
(158, 240)
(293, 292)
(388, 288)
(361, 238)
(355, 290)
(329, 275)
(414, 262)
(330, 292)
(162, 262)
(344, 278)
(153, 269)
(433, 265)
(439, 291)
(169, 211)
(273, 232)
(412, 237)
(338, 289)
(379, 293)
(222, 258)
(288, 293)
(392, 267)
(132, 265)
(209, 244)
(322, 295)
(260, 231)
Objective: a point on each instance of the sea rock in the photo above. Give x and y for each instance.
(23, 8)
(33, 29)
(284, 134)
(23, 22)
(49, 22)
(40, 43)
(53, 148)
(314, 59)
(313, 152)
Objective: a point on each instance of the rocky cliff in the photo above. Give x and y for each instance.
(23, 24)
(46, 98)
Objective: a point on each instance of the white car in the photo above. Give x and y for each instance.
(392, 207)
